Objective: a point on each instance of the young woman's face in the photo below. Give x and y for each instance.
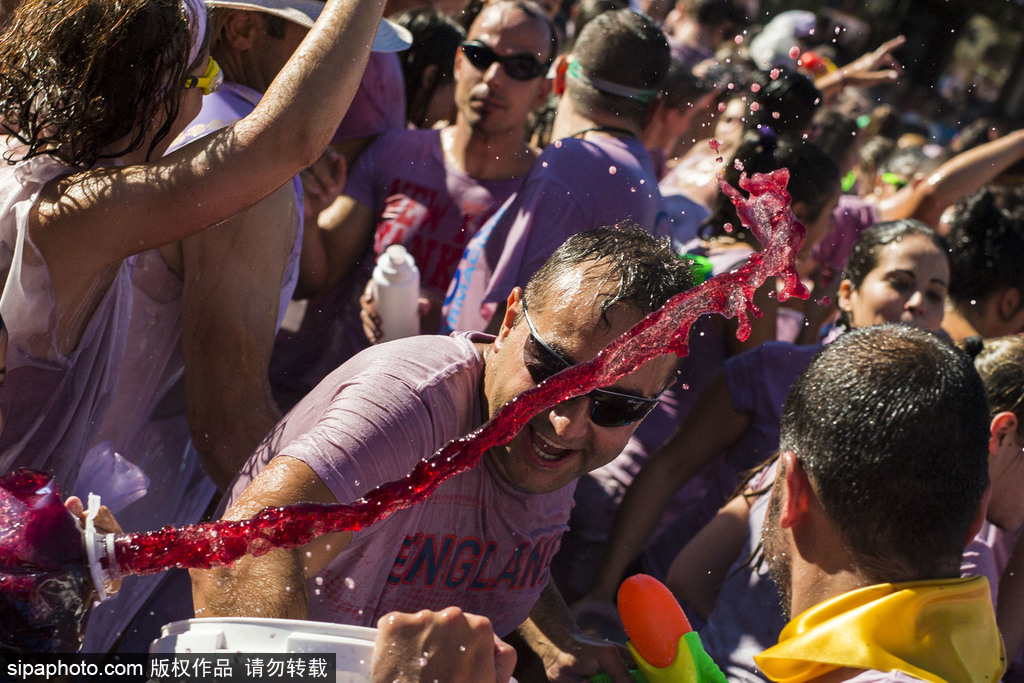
(908, 285)
(730, 122)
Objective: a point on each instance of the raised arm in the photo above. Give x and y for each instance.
(94, 219)
(232, 289)
(271, 585)
(958, 177)
(709, 428)
(877, 67)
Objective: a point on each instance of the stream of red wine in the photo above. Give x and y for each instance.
(766, 214)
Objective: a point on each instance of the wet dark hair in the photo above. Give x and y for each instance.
(813, 180)
(587, 10)
(873, 153)
(435, 40)
(986, 249)
(1009, 198)
(906, 162)
(625, 48)
(645, 272)
(869, 421)
(77, 76)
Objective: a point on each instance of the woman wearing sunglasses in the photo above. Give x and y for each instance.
(91, 94)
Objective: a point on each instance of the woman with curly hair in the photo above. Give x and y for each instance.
(92, 92)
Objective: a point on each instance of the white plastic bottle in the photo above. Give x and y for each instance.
(396, 290)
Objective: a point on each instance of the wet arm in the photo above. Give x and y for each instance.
(958, 177)
(699, 570)
(566, 651)
(271, 585)
(94, 219)
(232, 288)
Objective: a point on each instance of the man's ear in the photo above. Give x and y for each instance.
(429, 72)
(845, 290)
(1003, 430)
(512, 306)
(1008, 303)
(796, 491)
(240, 28)
(561, 63)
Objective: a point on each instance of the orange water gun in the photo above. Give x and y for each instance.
(665, 646)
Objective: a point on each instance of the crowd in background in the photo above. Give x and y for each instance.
(195, 198)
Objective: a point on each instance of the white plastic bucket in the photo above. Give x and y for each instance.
(352, 645)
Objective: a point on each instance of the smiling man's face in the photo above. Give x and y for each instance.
(562, 443)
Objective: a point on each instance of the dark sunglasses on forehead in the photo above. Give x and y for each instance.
(521, 67)
(607, 408)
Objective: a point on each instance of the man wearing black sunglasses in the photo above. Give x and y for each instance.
(597, 172)
(430, 190)
(483, 541)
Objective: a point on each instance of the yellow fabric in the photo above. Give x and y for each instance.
(941, 631)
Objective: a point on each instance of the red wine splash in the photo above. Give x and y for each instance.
(45, 586)
(765, 213)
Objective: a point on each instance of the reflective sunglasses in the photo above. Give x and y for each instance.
(210, 81)
(607, 408)
(521, 67)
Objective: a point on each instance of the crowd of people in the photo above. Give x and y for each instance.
(192, 200)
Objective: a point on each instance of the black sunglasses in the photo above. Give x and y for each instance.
(607, 408)
(521, 67)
